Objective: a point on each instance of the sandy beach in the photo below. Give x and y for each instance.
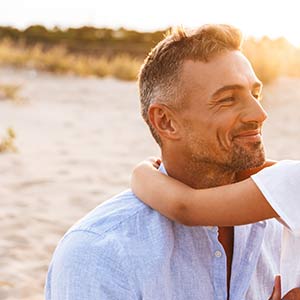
(78, 140)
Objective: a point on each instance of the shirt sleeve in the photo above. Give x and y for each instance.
(280, 185)
(87, 267)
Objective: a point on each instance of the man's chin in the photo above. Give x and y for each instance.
(248, 158)
(256, 163)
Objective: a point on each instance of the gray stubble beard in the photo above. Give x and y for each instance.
(243, 159)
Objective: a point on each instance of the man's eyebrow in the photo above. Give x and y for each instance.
(235, 87)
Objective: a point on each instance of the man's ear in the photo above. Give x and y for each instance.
(163, 120)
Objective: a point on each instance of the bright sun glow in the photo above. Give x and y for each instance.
(256, 17)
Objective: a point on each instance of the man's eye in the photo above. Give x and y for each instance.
(227, 100)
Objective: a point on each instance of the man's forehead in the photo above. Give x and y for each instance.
(230, 68)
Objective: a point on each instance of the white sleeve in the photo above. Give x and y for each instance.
(280, 185)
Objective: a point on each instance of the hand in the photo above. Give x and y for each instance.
(154, 161)
(293, 294)
(141, 173)
(150, 162)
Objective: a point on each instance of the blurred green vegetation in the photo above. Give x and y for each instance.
(86, 40)
(119, 53)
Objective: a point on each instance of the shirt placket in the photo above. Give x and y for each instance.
(219, 265)
(247, 245)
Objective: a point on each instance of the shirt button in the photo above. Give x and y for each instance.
(218, 253)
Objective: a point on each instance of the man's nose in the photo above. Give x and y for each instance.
(254, 112)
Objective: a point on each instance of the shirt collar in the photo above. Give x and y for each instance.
(162, 169)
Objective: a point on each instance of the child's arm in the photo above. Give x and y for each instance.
(234, 204)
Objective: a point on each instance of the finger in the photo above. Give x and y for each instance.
(158, 161)
(155, 161)
(276, 294)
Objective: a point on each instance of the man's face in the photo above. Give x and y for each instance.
(223, 118)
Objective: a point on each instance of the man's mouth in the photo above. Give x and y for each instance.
(249, 136)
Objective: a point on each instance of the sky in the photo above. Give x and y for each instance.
(255, 18)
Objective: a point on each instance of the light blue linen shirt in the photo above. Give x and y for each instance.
(125, 250)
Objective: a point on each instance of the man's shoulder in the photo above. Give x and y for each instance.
(121, 222)
(94, 251)
(112, 213)
(111, 231)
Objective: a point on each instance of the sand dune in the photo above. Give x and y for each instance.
(78, 140)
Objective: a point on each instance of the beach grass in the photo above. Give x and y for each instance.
(270, 59)
(7, 143)
(58, 60)
(10, 92)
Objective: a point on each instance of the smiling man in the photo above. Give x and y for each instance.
(200, 97)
